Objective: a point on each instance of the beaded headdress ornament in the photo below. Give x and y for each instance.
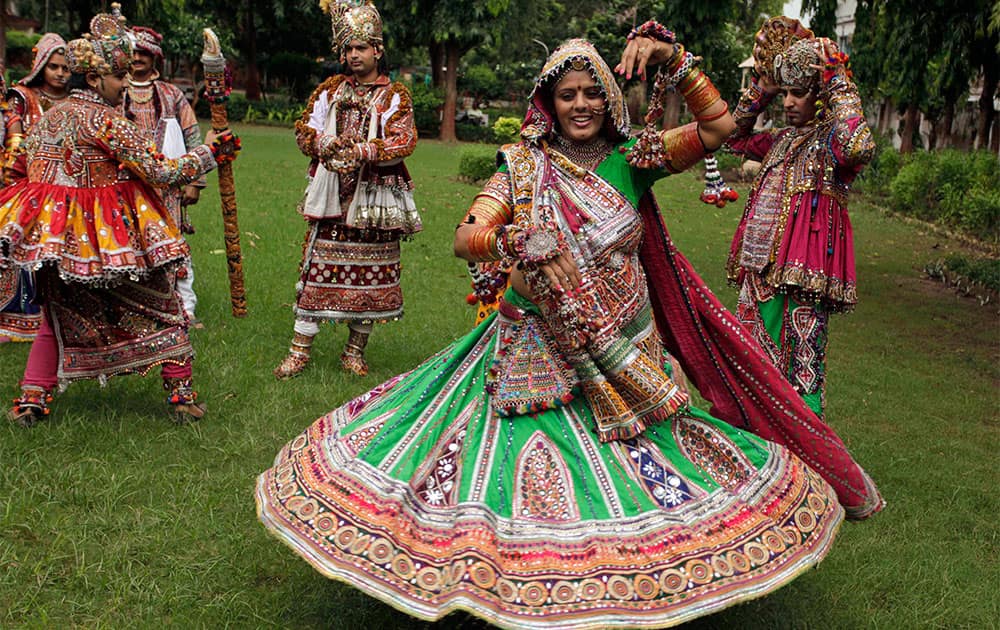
(48, 45)
(574, 54)
(795, 67)
(106, 49)
(776, 35)
(353, 20)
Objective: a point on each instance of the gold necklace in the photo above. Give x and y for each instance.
(141, 96)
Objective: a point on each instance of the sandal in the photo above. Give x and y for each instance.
(30, 408)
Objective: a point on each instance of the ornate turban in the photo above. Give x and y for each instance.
(792, 68)
(106, 49)
(574, 54)
(353, 20)
(48, 45)
(148, 40)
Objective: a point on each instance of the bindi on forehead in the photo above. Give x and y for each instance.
(576, 79)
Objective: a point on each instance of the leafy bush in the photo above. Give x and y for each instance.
(877, 176)
(482, 81)
(983, 270)
(507, 129)
(912, 191)
(470, 132)
(953, 188)
(236, 107)
(476, 165)
(277, 115)
(21, 41)
(427, 104)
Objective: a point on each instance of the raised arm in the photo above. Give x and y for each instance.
(851, 139)
(130, 146)
(476, 236)
(754, 100)
(652, 44)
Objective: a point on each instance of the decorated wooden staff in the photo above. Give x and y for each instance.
(217, 89)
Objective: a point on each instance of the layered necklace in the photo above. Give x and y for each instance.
(47, 100)
(142, 96)
(585, 154)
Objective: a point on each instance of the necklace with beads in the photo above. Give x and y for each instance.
(47, 100)
(142, 95)
(585, 154)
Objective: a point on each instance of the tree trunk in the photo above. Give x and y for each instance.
(932, 137)
(250, 47)
(986, 113)
(436, 51)
(635, 100)
(453, 54)
(884, 112)
(945, 122)
(995, 138)
(910, 121)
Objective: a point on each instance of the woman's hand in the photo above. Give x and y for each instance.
(562, 273)
(639, 53)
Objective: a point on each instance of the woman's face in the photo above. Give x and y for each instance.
(55, 75)
(580, 106)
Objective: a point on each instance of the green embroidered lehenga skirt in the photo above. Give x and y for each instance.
(420, 494)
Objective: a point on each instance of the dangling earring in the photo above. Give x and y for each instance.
(820, 110)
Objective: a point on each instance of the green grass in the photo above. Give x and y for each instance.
(112, 517)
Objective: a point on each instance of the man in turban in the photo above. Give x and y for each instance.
(160, 108)
(103, 245)
(356, 129)
(793, 253)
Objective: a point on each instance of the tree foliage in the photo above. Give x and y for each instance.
(923, 54)
(823, 17)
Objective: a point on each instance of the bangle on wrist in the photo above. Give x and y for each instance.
(532, 245)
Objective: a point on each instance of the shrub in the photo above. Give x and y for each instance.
(984, 270)
(507, 129)
(470, 132)
(21, 41)
(273, 114)
(427, 104)
(236, 107)
(482, 81)
(912, 190)
(877, 176)
(476, 165)
(952, 188)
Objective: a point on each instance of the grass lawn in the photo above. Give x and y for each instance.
(110, 516)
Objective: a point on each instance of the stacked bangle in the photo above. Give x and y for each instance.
(482, 244)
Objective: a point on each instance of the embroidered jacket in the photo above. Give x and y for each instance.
(86, 205)
(151, 108)
(356, 136)
(84, 143)
(795, 233)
